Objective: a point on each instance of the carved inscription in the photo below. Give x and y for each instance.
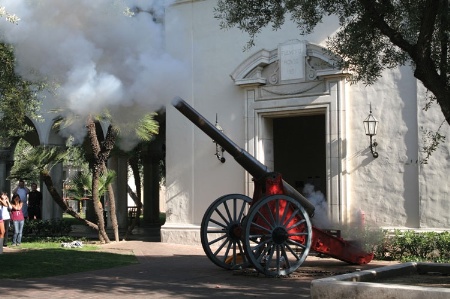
(292, 61)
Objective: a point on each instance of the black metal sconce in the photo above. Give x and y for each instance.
(370, 127)
(219, 150)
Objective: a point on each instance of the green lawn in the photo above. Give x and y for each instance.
(32, 260)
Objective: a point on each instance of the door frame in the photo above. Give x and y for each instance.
(331, 102)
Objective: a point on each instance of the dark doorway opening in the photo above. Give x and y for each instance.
(300, 150)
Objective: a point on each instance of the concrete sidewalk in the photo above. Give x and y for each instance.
(175, 271)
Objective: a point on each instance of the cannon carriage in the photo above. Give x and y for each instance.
(272, 231)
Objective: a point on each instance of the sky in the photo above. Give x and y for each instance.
(99, 55)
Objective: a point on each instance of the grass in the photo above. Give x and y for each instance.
(39, 257)
(34, 260)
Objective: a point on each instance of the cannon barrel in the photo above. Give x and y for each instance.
(247, 161)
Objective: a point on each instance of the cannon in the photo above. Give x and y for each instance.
(272, 231)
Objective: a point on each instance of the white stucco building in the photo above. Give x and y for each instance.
(285, 103)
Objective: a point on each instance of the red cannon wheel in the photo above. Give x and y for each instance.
(221, 231)
(277, 235)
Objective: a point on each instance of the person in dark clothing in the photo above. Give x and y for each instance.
(34, 203)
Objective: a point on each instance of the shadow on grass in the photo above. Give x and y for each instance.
(52, 262)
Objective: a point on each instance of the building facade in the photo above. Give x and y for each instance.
(286, 103)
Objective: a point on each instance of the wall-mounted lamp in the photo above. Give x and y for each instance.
(219, 149)
(370, 127)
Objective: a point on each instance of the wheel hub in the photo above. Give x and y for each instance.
(235, 231)
(279, 235)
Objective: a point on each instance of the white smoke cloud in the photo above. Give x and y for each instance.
(317, 198)
(356, 229)
(100, 56)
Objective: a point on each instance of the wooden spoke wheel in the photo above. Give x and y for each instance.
(221, 231)
(277, 235)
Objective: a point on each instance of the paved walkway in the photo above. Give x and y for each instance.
(174, 271)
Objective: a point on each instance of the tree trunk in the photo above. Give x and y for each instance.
(96, 172)
(420, 53)
(101, 154)
(112, 206)
(47, 179)
(98, 208)
(106, 148)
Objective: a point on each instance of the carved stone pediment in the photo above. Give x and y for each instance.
(294, 67)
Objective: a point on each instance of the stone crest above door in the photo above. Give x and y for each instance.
(294, 67)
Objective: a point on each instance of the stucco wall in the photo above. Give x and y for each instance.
(386, 188)
(195, 178)
(394, 190)
(433, 176)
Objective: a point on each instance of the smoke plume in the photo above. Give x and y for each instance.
(317, 198)
(102, 55)
(357, 230)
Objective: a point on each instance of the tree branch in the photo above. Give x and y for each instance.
(443, 35)
(427, 28)
(394, 36)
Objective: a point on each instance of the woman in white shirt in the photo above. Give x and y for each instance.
(6, 209)
(3, 205)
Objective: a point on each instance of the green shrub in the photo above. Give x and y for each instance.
(414, 246)
(47, 228)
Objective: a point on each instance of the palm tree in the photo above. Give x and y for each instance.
(145, 129)
(44, 158)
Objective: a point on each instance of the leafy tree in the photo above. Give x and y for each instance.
(374, 35)
(8, 16)
(22, 153)
(18, 97)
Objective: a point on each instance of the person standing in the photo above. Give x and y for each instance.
(3, 205)
(34, 203)
(22, 191)
(6, 209)
(17, 219)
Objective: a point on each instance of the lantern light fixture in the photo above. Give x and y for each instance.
(370, 128)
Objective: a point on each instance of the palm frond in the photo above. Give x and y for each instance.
(42, 158)
(147, 127)
(81, 185)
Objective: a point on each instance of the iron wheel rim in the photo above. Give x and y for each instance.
(220, 237)
(271, 247)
